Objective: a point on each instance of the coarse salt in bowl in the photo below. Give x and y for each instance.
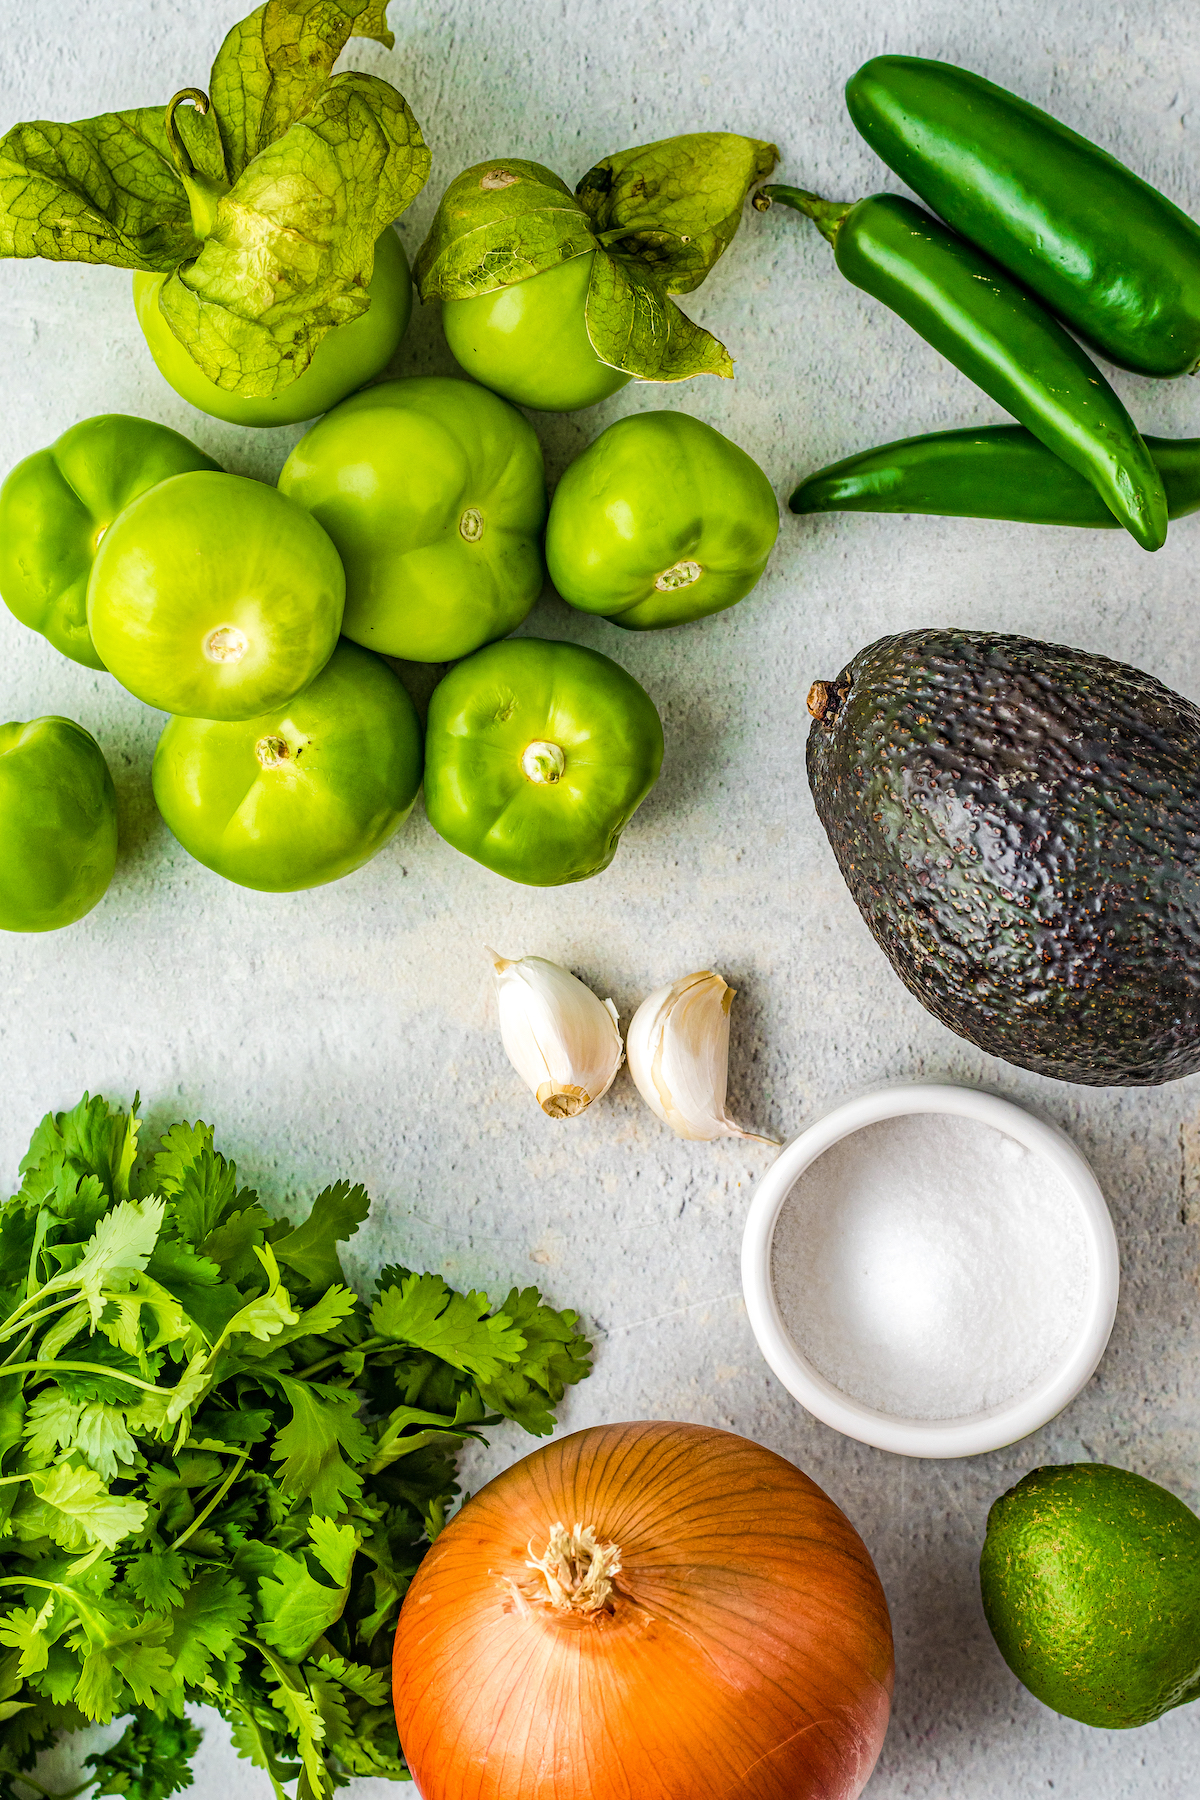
(931, 1270)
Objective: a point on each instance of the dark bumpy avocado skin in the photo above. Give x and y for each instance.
(1091, 1585)
(1020, 826)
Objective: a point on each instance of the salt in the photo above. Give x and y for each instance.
(930, 1267)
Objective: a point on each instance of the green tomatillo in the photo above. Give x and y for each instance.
(434, 493)
(345, 359)
(556, 299)
(537, 755)
(257, 210)
(57, 504)
(58, 824)
(661, 520)
(302, 795)
(530, 341)
(215, 597)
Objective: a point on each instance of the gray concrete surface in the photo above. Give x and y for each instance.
(349, 1031)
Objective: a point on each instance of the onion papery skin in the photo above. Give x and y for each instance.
(746, 1650)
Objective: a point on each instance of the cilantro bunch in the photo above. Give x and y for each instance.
(219, 1467)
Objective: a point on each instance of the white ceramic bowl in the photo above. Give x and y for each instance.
(920, 1437)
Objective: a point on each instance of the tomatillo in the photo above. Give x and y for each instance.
(530, 341)
(660, 521)
(434, 492)
(537, 755)
(304, 794)
(58, 824)
(56, 505)
(215, 597)
(346, 357)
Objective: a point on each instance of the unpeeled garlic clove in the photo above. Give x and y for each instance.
(678, 1050)
(562, 1041)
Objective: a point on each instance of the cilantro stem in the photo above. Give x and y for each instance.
(32, 1323)
(83, 1368)
(216, 1500)
(310, 1369)
(20, 1347)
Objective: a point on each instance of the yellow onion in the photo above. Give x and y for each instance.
(645, 1612)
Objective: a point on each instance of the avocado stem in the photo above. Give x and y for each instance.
(818, 699)
(826, 215)
(203, 191)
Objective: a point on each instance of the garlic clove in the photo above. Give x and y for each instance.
(562, 1041)
(678, 1050)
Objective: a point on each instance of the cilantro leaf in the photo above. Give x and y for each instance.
(74, 1508)
(206, 1624)
(396, 1439)
(195, 1282)
(24, 1629)
(299, 1608)
(60, 1678)
(101, 1354)
(200, 1183)
(132, 1661)
(117, 1251)
(426, 1313)
(371, 1685)
(330, 1702)
(177, 1267)
(103, 1438)
(233, 1243)
(92, 1139)
(290, 1694)
(96, 1428)
(311, 1250)
(65, 1329)
(263, 1318)
(50, 1424)
(255, 1729)
(326, 1315)
(158, 1578)
(324, 1424)
(229, 1425)
(555, 1357)
(334, 1546)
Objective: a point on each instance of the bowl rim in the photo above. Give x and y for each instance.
(980, 1432)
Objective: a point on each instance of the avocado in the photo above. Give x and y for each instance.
(1091, 1585)
(1019, 824)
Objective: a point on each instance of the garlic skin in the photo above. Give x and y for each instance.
(562, 1041)
(678, 1050)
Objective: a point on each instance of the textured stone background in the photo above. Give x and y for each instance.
(350, 1031)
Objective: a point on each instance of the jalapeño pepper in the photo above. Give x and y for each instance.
(1105, 251)
(998, 334)
(993, 472)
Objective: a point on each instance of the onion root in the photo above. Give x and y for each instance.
(575, 1573)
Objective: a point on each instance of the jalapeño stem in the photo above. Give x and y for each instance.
(826, 215)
